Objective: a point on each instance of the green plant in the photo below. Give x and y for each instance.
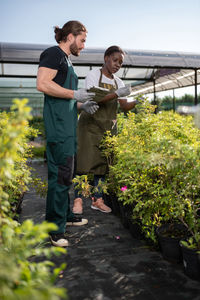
(166, 103)
(192, 222)
(40, 185)
(38, 151)
(37, 123)
(82, 184)
(24, 271)
(21, 275)
(192, 243)
(157, 157)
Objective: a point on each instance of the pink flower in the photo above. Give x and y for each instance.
(124, 188)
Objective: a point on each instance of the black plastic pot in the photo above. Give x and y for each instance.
(134, 226)
(191, 262)
(108, 201)
(115, 205)
(170, 243)
(112, 201)
(135, 229)
(125, 213)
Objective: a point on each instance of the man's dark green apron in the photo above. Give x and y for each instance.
(60, 117)
(91, 129)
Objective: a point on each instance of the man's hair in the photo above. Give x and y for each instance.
(113, 49)
(74, 27)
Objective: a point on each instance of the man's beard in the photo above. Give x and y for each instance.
(74, 49)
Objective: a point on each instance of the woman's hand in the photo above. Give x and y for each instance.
(124, 91)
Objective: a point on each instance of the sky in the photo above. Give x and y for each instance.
(172, 25)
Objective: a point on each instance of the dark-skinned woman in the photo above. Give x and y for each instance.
(91, 128)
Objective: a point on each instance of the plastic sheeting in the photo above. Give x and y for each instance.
(168, 70)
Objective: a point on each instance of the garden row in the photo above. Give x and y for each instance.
(154, 175)
(25, 269)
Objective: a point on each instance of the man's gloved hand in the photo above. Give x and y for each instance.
(82, 95)
(124, 91)
(90, 107)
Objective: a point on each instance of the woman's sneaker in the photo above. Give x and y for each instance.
(78, 206)
(59, 240)
(76, 221)
(99, 205)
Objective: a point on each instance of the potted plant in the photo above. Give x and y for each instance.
(191, 246)
(157, 157)
(82, 184)
(169, 236)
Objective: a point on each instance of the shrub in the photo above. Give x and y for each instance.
(37, 123)
(21, 276)
(157, 157)
(38, 151)
(82, 183)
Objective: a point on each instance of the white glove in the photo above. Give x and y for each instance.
(124, 91)
(82, 95)
(90, 107)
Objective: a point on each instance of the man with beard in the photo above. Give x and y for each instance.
(57, 80)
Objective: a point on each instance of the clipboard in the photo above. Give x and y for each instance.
(99, 93)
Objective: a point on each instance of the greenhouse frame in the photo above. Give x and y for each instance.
(146, 71)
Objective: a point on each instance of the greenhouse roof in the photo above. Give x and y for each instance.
(147, 71)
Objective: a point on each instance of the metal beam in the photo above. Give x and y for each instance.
(79, 77)
(195, 88)
(173, 100)
(99, 65)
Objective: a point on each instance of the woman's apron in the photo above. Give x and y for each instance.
(91, 129)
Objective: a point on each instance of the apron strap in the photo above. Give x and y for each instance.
(100, 81)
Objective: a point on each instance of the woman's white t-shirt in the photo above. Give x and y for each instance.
(92, 79)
